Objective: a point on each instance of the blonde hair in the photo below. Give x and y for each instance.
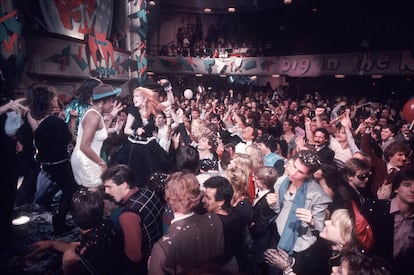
(256, 155)
(198, 128)
(342, 218)
(213, 140)
(242, 161)
(239, 179)
(151, 104)
(182, 191)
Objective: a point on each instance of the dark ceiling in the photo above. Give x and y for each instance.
(312, 26)
(220, 6)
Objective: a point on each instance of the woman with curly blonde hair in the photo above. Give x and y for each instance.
(257, 157)
(242, 161)
(207, 145)
(245, 162)
(238, 179)
(241, 203)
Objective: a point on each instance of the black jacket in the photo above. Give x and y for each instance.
(382, 223)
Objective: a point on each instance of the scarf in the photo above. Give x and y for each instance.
(291, 230)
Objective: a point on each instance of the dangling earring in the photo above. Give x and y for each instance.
(100, 104)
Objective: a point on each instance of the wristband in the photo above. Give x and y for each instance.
(288, 271)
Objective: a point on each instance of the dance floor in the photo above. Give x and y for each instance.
(38, 228)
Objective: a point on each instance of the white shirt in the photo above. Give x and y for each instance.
(241, 147)
(341, 155)
(390, 168)
(163, 138)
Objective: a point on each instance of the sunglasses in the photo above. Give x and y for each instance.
(364, 176)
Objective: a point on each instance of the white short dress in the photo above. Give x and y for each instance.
(87, 172)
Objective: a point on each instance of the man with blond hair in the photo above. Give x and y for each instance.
(192, 240)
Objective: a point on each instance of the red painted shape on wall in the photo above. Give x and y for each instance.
(9, 44)
(8, 16)
(100, 43)
(78, 10)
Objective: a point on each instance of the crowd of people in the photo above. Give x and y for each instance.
(221, 183)
(191, 42)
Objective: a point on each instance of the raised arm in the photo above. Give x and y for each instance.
(308, 130)
(15, 105)
(346, 123)
(335, 111)
(115, 110)
(166, 84)
(318, 115)
(227, 116)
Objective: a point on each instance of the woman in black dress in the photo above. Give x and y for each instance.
(141, 152)
(52, 136)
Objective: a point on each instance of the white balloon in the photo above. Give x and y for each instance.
(188, 94)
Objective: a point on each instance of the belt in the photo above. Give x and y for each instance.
(144, 141)
(53, 162)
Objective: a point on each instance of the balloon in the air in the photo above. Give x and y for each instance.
(408, 110)
(188, 94)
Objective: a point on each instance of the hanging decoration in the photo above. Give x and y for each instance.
(12, 59)
(138, 30)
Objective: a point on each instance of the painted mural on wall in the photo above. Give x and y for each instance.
(88, 20)
(69, 58)
(83, 47)
(12, 58)
(367, 63)
(138, 29)
(77, 18)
